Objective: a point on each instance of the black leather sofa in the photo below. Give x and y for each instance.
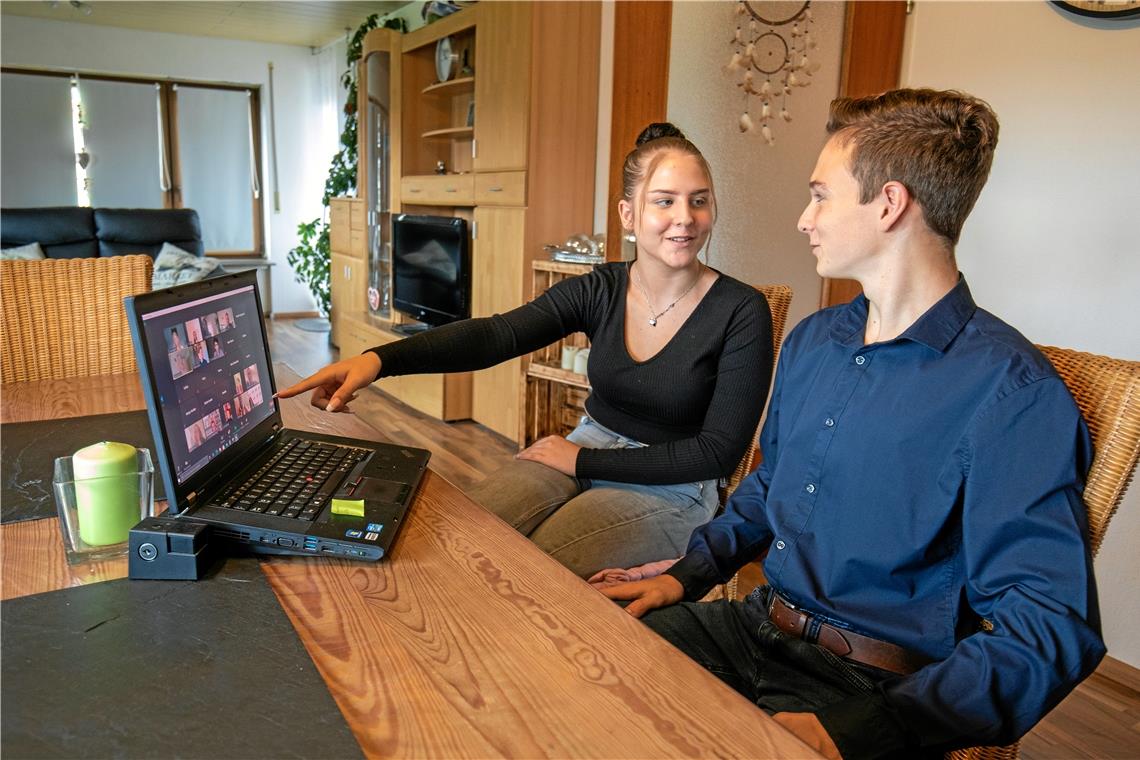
(69, 232)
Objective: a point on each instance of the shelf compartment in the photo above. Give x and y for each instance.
(545, 371)
(451, 133)
(460, 86)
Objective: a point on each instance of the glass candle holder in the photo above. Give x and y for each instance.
(98, 507)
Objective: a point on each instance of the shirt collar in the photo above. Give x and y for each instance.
(936, 328)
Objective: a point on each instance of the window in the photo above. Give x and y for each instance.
(137, 143)
(37, 153)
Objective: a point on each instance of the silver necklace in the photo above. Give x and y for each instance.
(649, 302)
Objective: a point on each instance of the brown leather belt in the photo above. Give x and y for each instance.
(841, 642)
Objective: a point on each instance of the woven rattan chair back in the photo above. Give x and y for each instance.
(1107, 392)
(64, 317)
(779, 299)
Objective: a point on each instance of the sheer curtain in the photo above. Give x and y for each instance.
(215, 159)
(123, 140)
(37, 157)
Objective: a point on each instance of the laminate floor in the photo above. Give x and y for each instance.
(1101, 719)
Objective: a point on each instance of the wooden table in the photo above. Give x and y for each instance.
(467, 641)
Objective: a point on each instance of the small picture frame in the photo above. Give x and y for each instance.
(471, 114)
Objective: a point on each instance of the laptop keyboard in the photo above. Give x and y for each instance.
(297, 481)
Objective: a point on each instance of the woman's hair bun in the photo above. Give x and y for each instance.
(658, 130)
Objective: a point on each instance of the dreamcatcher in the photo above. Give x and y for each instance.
(772, 59)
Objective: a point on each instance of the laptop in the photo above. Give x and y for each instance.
(225, 457)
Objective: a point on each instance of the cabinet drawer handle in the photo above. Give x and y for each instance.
(413, 189)
(495, 189)
(452, 189)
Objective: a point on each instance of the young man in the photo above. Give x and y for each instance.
(919, 498)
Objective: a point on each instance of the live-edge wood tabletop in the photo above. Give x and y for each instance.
(467, 641)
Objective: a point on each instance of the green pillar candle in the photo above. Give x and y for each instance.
(106, 492)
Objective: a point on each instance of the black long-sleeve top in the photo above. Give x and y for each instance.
(696, 402)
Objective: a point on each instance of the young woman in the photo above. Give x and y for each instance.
(680, 361)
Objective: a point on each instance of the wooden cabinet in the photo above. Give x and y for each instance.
(516, 135)
(348, 270)
(497, 259)
(503, 76)
(348, 227)
(347, 288)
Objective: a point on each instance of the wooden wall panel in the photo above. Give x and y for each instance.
(872, 61)
(641, 90)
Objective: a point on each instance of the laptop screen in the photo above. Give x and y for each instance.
(211, 374)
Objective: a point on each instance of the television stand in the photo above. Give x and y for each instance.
(410, 328)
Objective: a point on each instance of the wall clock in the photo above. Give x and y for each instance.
(1108, 9)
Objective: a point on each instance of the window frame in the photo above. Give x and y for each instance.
(168, 97)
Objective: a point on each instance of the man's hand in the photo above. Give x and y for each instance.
(335, 385)
(809, 730)
(649, 594)
(555, 452)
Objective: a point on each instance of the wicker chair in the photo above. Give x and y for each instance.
(64, 317)
(1107, 392)
(779, 299)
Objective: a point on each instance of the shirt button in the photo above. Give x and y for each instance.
(810, 488)
(829, 422)
(860, 360)
(780, 545)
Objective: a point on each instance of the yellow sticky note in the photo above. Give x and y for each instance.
(354, 507)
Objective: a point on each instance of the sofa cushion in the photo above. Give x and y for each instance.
(29, 252)
(64, 232)
(125, 231)
(174, 266)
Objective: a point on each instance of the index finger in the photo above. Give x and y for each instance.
(310, 382)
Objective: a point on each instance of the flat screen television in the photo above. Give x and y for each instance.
(431, 269)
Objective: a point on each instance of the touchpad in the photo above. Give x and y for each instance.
(378, 489)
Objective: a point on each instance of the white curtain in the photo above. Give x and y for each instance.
(37, 154)
(122, 138)
(214, 156)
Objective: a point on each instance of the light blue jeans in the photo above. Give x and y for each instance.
(589, 525)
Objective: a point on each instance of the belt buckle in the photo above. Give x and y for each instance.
(777, 596)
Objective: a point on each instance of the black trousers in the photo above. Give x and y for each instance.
(736, 642)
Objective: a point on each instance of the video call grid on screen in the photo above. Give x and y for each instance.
(209, 361)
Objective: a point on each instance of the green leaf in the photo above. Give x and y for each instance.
(311, 259)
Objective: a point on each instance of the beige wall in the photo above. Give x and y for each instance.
(761, 190)
(1053, 246)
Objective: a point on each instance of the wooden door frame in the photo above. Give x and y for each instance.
(642, 33)
(872, 62)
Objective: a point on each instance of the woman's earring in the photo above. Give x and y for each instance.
(630, 237)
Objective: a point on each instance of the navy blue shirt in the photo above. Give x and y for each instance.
(910, 489)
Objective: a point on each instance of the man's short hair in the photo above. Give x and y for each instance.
(938, 144)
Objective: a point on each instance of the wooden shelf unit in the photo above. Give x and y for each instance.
(554, 398)
(435, 113)
(522, 175)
